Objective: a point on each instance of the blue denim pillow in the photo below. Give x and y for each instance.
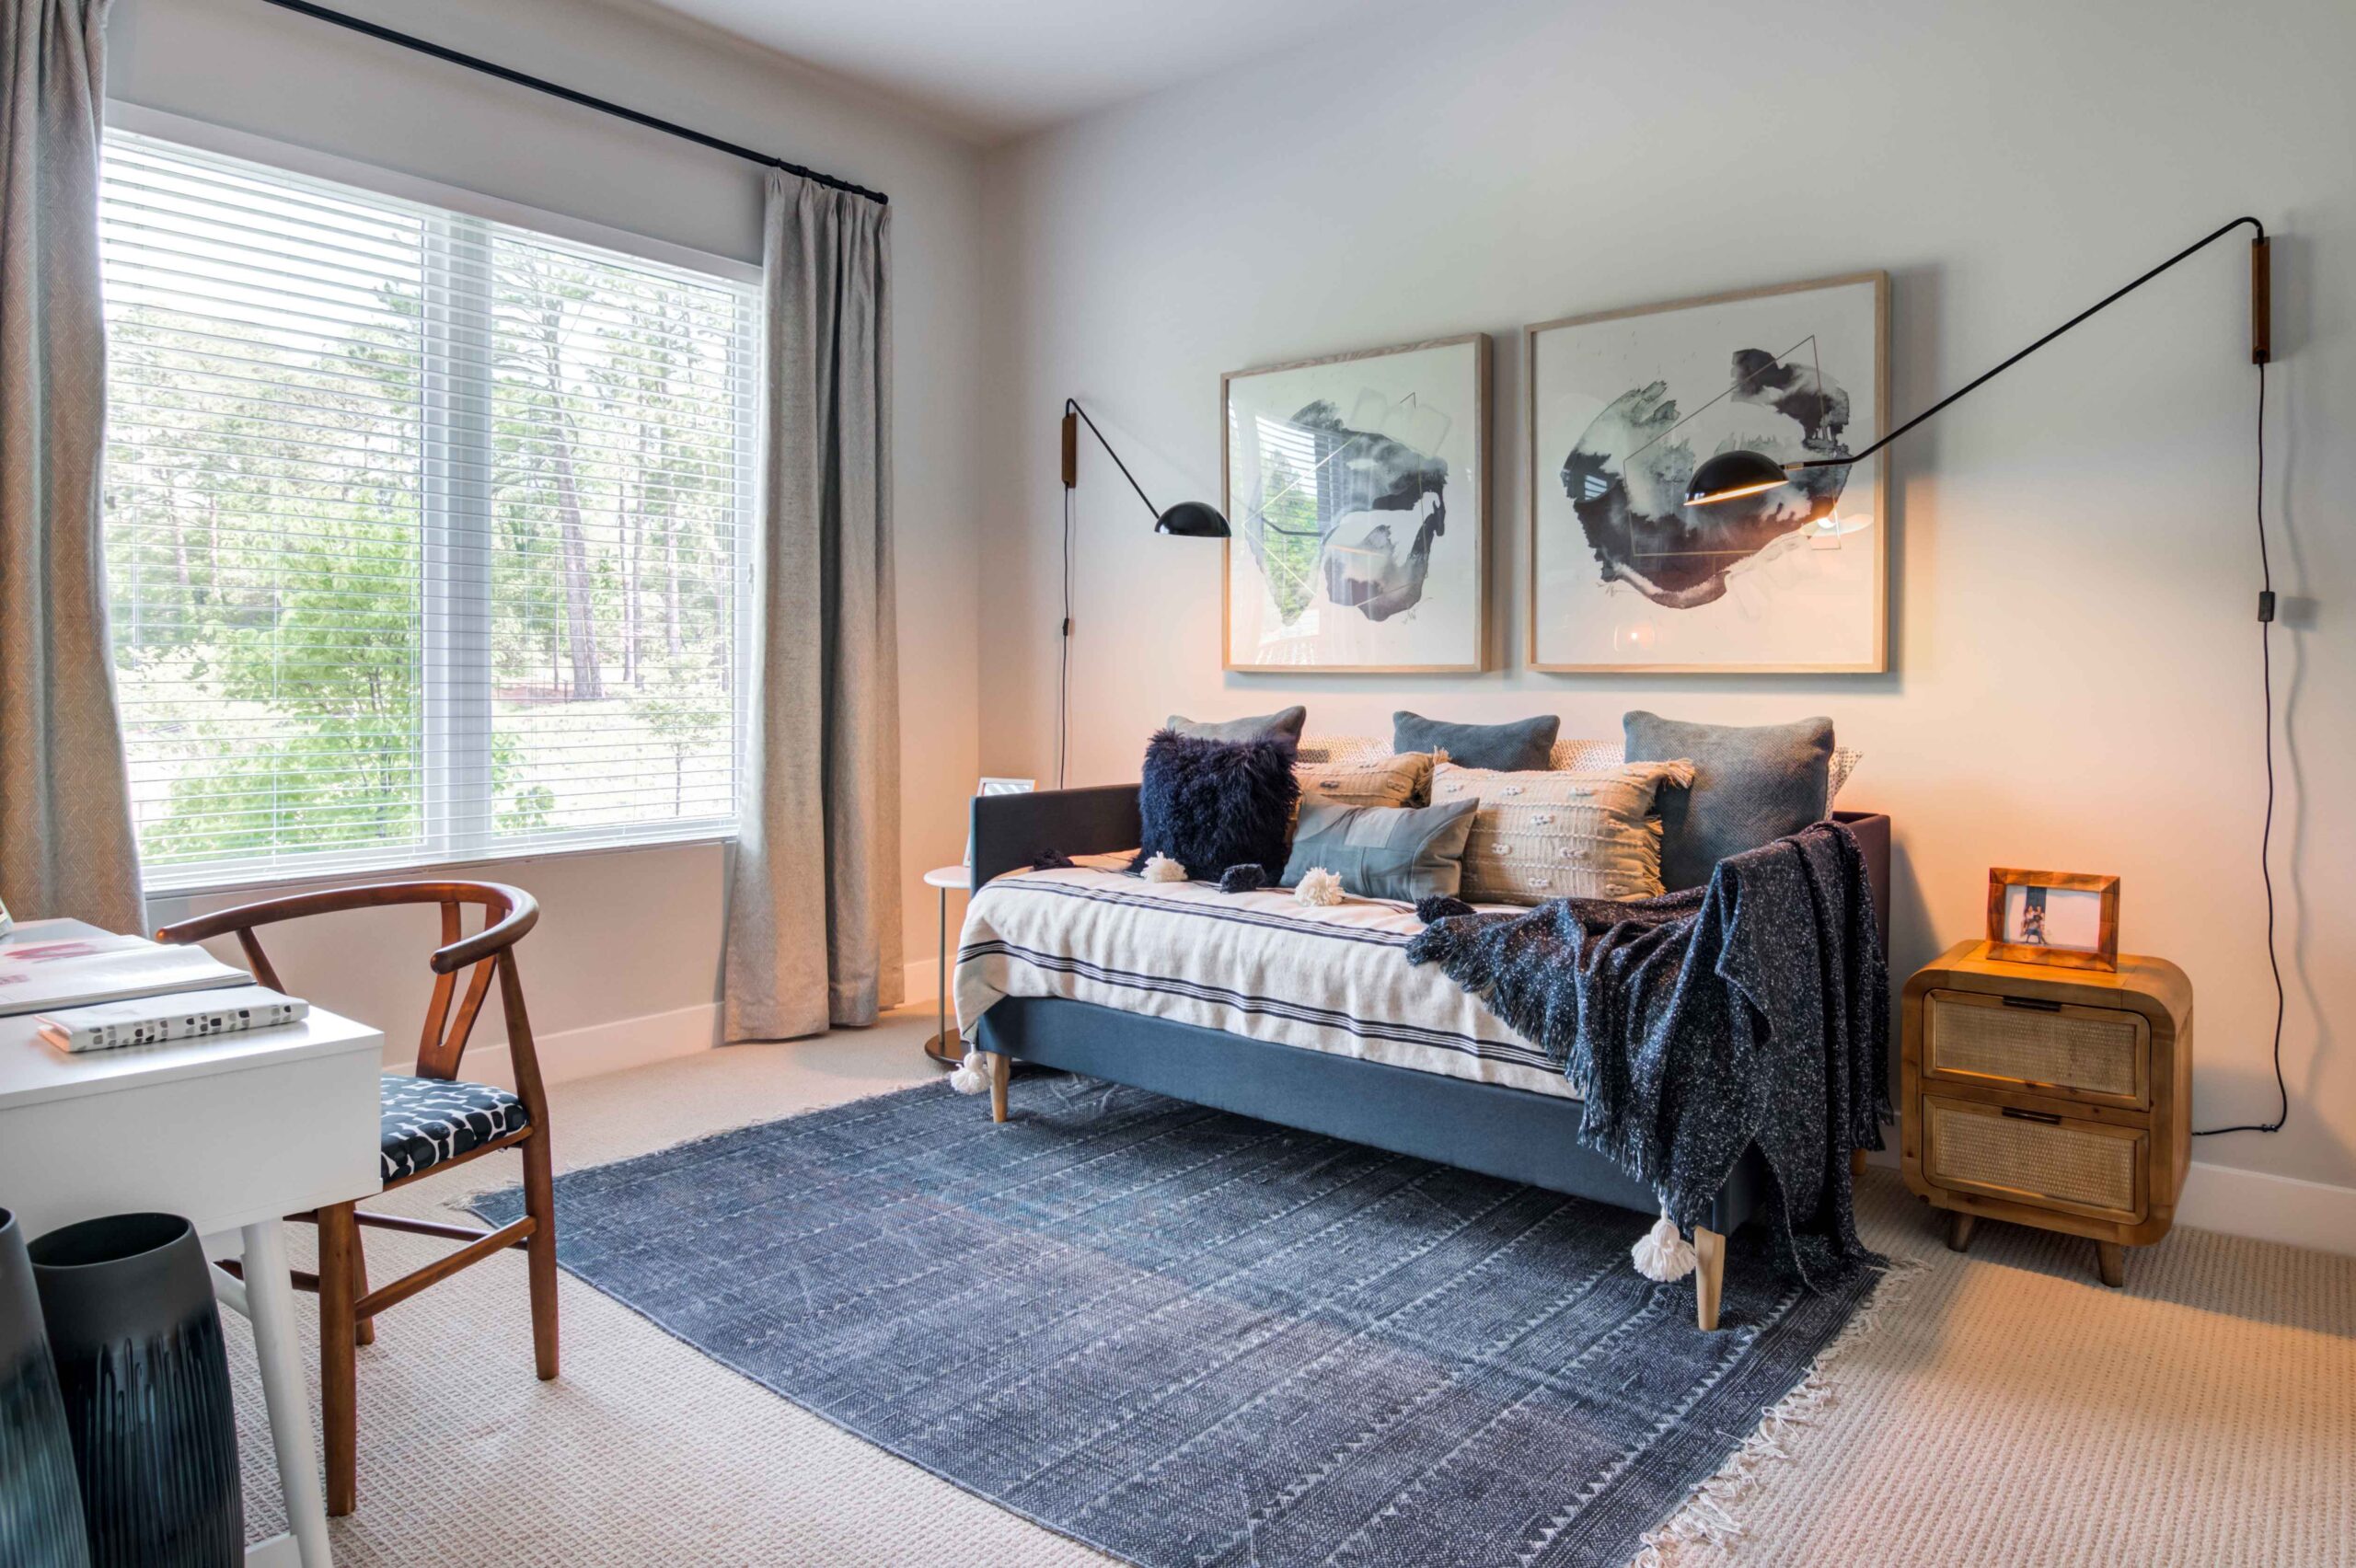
(1523, 746)
(1285, 723)
(1751, 785)
(1402, 852)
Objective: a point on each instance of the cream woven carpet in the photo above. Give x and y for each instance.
(2007, 1410)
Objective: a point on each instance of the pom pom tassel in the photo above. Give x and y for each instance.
(1663, 1255)
(1246, 878)
(1162, 868)
(1319, 888)
(971, 1074)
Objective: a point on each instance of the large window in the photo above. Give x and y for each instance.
(426, 532)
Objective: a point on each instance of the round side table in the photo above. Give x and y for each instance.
(945, 1047)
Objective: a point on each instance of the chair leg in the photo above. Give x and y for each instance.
(339, 1390)
(1709, 1276)
(364, 1328)
(539, 1202)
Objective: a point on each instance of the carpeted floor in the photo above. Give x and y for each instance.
(2006, 1410)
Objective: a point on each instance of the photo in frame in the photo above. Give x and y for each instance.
(1624, 406)
(996, 787)
(1357, 490)
(2066, 918)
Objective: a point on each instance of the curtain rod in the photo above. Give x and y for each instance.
(538, 83)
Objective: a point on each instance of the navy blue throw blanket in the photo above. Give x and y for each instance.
(1755, 1010)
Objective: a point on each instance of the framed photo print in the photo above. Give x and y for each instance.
(1624, 405)
(996, 787)
(2066, 918)
(1357, 488)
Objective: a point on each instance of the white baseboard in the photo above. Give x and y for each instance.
(2269, 1208)
(606, 1047)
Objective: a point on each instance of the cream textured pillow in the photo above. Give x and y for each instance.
(1341, 748)
(1596, 757)
(1553, 834)
(1361, 779)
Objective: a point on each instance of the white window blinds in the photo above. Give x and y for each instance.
(427, 536)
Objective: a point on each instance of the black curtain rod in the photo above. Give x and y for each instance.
(538, 83)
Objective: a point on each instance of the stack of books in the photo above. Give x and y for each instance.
(100, 992)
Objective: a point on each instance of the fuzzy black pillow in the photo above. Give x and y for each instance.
(1212, 805)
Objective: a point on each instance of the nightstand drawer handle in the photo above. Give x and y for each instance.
(2037, 1003)
(2017, 1114)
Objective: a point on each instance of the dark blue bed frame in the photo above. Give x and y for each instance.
(1511, 1133)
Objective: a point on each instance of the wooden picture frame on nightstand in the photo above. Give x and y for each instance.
(2068, 919)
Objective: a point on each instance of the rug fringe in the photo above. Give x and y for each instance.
(1709, 1515)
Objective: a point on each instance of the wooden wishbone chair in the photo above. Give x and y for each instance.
(431, 1122)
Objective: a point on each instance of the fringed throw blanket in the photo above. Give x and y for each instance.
(1755, 1010)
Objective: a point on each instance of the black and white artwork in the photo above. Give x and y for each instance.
(1625, 406)
(1356, 488)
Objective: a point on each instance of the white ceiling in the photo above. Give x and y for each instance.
(1000, 68)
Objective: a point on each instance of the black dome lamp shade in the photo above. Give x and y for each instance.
(1192, 520)
(1732, 474)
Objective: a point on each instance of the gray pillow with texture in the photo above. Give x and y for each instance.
(1284, 724)
(1753, 784)
(1402, 852)
(1521, 746)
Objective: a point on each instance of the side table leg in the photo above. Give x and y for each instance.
(2111, 1260)
(270, 1300)
(1959, 1229)
(940, 975)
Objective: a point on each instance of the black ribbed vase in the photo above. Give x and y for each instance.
(136, 1337)
(40, 1506)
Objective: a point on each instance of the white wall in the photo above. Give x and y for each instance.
(635, 934)
(2075, 683)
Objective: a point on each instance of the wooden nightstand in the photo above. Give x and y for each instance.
(2050, 1097)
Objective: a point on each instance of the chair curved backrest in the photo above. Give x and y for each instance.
(508, 914)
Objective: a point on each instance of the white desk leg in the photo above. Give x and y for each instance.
(269, 1298)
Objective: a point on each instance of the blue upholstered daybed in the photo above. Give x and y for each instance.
(1499, 1130)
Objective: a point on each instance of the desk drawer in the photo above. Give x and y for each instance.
(2099, 1054)
(2027, 1157)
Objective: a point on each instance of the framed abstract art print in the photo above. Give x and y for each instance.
(1357, 490)
(1624, 405)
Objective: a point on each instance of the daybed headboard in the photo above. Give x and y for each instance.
(1012, 831)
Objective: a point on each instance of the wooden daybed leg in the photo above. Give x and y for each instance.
(1709, 1276)
(1001, 1068)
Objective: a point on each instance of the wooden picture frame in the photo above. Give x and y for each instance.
(1477, 469)
(1874, 658)
(2004, 944)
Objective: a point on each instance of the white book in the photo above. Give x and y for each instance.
(188, 1015)
(80, 971)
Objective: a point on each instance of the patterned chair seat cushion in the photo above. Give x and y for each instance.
(427, 1121)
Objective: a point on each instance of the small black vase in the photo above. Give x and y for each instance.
(136, 1337)
(40, 1506)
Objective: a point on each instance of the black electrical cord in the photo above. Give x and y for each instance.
(1062, 674)
(2266, 832)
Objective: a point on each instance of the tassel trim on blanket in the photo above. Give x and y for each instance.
(1663, 1254)
(973, 1073)
(1709, 1516)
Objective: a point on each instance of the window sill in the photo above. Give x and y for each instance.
(323, 877)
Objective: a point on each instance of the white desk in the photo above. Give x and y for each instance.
(233, 1132)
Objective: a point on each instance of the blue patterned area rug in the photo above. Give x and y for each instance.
(1185, 1337)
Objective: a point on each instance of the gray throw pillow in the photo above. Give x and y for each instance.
(1752, 785)
(1283, 724)
(1521, 746)
(1402, 852)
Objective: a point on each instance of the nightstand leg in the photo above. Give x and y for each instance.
(1709, 1276)
(2111, 1260)
(1959, 1229)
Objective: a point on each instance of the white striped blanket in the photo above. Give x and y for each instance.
(1260, 964)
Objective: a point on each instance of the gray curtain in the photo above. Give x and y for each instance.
(65, 836)
(813, 921)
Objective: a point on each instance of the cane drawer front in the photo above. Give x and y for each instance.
(2099, 1054)
(2036, 1158)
